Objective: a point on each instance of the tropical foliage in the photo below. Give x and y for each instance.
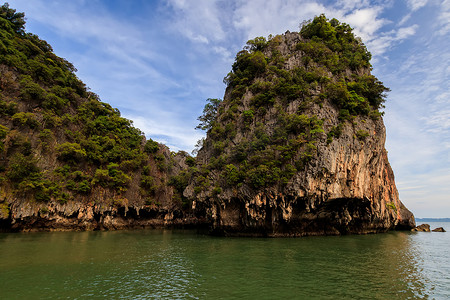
(58, 140)
(332, 65)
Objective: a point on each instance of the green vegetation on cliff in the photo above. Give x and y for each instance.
(265, 130)
(328, 50)
(58, 141)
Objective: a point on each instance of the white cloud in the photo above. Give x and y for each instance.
(261, 18)
(366, 22)
(427, 194)
(417, 119)
(405, 32)
(78, 23)
(209, 24)
(380, 44)
(212, 22)
(160, 74)
(176, 137)
(444, 18)
(121, 40)
(439, 122)
(223, 52)
(416, 4)
(411, 148)
(405, 19)
(122, 63)
(198, 20)
(348, 5)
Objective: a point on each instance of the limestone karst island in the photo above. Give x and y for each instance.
(295, 148)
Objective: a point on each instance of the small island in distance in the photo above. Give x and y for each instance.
(295, 148)
(432, 219)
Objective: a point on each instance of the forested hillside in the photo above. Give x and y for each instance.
(60, 143)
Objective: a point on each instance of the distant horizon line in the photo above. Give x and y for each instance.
(427, 218)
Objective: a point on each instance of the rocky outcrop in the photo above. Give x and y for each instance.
(76, 215)
(439, 229)
(426, 228)
(422, 228)
(294, 163)
(102, 210)
(347, 188)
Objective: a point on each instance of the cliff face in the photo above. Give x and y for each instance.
(68, 160)
(297, 145)
(101, 208)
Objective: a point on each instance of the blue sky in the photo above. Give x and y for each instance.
(158, 61)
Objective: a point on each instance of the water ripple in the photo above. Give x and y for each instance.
(164, 264)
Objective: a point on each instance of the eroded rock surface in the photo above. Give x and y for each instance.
(296, 161)
(26, 216)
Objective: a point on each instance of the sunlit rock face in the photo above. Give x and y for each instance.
(297, 145)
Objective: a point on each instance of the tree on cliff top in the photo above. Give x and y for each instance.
(17, 19)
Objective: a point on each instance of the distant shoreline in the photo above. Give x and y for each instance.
(432, 219)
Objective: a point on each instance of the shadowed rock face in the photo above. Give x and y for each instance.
(82, 216)
(346, 186)
(98, 212)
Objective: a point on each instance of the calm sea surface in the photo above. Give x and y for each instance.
(155, 264)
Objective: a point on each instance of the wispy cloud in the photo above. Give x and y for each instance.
(366, 21)
(349, 5)
(417, 118)
(380, 44)
(444, 18)
(129, 67)
(217, 27)
(428, 194)
(198, 20)
(439, 122)
(175, 137)
(416, 4)
(275, 18)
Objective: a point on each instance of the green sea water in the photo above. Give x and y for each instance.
(171, 264)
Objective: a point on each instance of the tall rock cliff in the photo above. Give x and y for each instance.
(296, 147)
